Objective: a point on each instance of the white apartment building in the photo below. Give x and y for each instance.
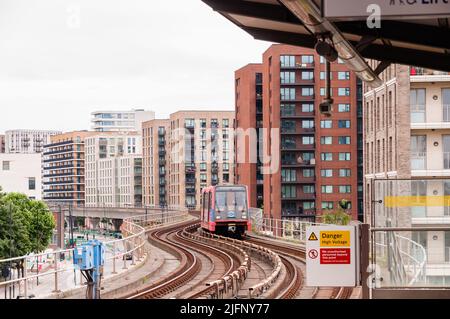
(27, 141)
(113, 171)
(407, 143)
(21, 173)
(113, 121)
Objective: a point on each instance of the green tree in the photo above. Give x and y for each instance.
(14, 236)
(339, 216)
(35, 217)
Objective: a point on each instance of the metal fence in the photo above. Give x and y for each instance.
(285, 229)
(45, 274)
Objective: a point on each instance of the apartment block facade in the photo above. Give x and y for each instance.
(122, 121)
(27, 141)
(313, 157)
(156, 155)
(2, 143)
(21, 173)
(63, 168)
(113, 172)
(407, 138)
(189, 151)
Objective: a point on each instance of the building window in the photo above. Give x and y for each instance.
(309, 189)
(323, 75)
(288, 175)
(327, 205)
(327, 189)
(6, 165)
(343, 91)
(307, 124)
(308, 172)
(226, 178)
(307, 59)
(343, 107)
(226, 167)
(419, 151)
(344, 140)
(326, 156)
(203, 123)
(344, 123)
(287, 109)
(345, 189)
(307, 75)
(203, 166)
(287, 94)
(189, 122)
(344, 172)
(323, 92)
(31, 183)
(417, 104)
(343, 75)
(225, 123)
(344, 156)
(287, 60)
(326, 172)
(203, 178)
(309, 205)
(287, 77)
(326, 124)
(308, 140)
(288, 191)
(307, 108)
(308, 91)
(326, 140)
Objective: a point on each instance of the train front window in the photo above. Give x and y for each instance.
(231, 201)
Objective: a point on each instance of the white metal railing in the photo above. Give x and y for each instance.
(446, 113)
(59, 264)
(414, 258)
(285, 229)
(418, 160)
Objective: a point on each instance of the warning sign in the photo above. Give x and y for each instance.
(335, 256)
(312, 237)
(331, 256)
(313, 254)
(334, 238)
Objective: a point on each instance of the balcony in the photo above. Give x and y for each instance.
(419, 160)
(162, 173)
(297, 66)
(58, 159)
(190, 169)
(162, 182)
(161, 132)
(162, 153)
(161, 142)
(190, 181)
(190, 191)
(162, 162)
(59, 151)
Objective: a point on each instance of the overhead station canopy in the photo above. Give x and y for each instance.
(410, 32)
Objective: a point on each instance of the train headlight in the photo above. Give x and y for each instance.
(244, 216)
(218, 217)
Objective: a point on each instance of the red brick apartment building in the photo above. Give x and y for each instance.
(319, 156)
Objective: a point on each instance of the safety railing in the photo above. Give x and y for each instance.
(45, 274)
(285, 229)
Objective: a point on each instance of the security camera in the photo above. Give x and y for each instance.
(326, 50)
(326, 106)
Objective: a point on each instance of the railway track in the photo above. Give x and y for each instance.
(212, 266)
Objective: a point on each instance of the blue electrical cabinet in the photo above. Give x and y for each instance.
(83, 256)
(98, 251)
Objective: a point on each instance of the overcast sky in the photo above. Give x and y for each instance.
(62, 59)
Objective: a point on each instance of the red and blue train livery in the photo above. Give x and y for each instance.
(225, 210)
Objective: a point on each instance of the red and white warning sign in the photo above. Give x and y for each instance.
(331, 256)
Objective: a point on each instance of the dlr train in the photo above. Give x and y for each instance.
(225, 210)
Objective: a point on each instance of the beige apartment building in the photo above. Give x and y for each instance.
(185, 153)
(407, 153)
(63, 168)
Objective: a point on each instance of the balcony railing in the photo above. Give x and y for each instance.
(418, 160)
